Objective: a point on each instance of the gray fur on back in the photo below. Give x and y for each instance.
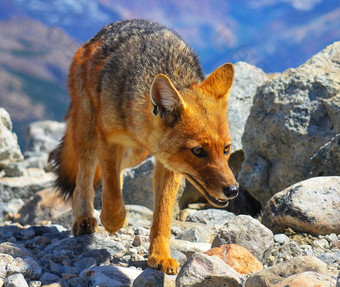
(135, 51)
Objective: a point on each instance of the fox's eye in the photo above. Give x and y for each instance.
(198, 151)
(226, 149)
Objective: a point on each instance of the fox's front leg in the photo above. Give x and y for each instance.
(165, 185)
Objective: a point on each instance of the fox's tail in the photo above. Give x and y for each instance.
(65, 165)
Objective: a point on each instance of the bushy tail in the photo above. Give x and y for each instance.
(65, 165)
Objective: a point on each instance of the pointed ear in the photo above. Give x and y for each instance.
(219, 82)
(166, 99)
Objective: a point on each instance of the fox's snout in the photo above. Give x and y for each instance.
(230, 191)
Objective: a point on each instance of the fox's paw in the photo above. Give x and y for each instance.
(84, 225)
(113, 222)
(166, 264)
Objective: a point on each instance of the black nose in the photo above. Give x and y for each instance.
(230, 191)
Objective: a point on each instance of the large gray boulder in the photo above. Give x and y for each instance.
(326, 161)
(9, 148)
(293, 115)
(247, 80)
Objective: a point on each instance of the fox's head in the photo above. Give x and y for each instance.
(193, 136)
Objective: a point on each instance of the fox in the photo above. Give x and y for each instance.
(138, 90)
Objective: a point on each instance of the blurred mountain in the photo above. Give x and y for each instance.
(39, 37)
(33, 72)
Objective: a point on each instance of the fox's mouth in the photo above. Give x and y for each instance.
(218, 202)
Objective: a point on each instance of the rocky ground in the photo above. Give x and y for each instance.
(42, 255)
(290, 236)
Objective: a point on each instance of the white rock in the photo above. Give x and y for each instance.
(189, 248)
(9, 148)
(281, 238)
(16, 280)
(312, 206)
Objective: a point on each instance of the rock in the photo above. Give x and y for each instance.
(9, 148)
(279, 272)
(35, 284)
(10, 208)
(212, 217)
(196, 234)
(189, 248)
(24, 187)
(45, 205)
(246, 82)
(49, 278)
(27, 266)
(237, 257)
(85, 263)
(44, 136)
(203, 270)
(137, 187)
(311, 206)
(14, 250)
(332, 237)
(300, 106)
(107, 276)
(77, 245)
(330, 257)
(66, 219)
(153, 278)
(326, 160)
(249, 233)
(15, 169)
(179, 256)
(308, 279)
(36, 160)
(16, 280)
(184, 213)
(281, 238)
(138, 215)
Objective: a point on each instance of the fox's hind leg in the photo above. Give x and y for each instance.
(113, 210)
(84, 137)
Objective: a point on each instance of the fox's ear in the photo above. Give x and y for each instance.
(219, 82)
(165, 99)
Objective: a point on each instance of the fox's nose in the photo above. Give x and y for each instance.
(230, 191)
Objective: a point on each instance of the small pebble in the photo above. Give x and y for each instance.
(137, 241)
(281, 238)
(35, 284)
(142, 231)
(332, 237)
